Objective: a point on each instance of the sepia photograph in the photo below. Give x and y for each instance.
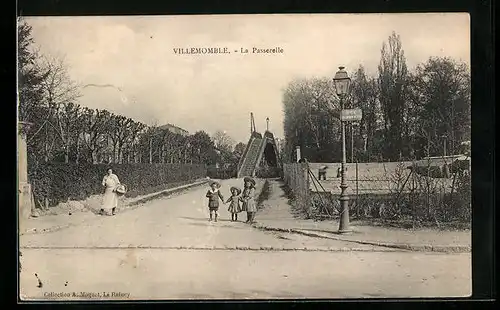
(244, 157)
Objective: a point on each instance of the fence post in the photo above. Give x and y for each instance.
(357, 185)
(25, 205)
(297, 149)
(307, 197)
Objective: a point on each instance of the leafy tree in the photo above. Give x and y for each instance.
(239, 149)
(393, 78)
(203, 148)
(441, 96)
(365, 96)
(311, 111)
(30, 76)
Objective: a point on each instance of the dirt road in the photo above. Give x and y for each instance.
(167, 249)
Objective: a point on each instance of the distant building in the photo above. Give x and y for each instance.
(175, 129)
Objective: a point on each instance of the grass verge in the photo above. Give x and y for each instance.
(264, 195)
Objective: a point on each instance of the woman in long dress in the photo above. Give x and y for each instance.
(110, 200)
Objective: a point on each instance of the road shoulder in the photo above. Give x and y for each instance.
(277, 215)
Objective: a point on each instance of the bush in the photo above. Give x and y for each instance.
(54, 183)
(268, 172)
(264, 194)
(222, 173)
(418, 209)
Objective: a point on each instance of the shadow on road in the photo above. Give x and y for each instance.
(204, 219)
(219, 225)
(333, 232)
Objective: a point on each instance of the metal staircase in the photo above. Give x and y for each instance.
(250, 157)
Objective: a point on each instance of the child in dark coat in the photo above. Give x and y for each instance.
(213, 196)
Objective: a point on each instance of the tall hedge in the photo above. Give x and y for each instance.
(222, 172)
(53, 183)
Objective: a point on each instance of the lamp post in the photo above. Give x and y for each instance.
(352, 142)
(444, 144)
(353, 126)
(267, 124)
(342, 83)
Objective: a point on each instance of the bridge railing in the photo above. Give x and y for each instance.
(296, 177)
(242, 158)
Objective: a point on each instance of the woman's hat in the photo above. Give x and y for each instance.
(249, 179)
(214, 182)
(238, 191)
(324, 167)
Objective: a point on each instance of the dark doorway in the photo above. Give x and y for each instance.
(270, 155)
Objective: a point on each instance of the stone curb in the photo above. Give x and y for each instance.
(130, 206)
(216, 248)
(400, 246)
(166, 192)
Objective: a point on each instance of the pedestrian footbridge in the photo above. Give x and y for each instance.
(261, 153)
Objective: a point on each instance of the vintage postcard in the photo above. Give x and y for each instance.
(244, 157)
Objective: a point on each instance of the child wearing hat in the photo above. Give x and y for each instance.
(248, 198)
(234, 207)
(213, 196)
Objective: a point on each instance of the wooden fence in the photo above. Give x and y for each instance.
(296, 177)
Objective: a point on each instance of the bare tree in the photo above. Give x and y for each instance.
(60, 93)
(223, 141)
(95, 122)
(119, 134)
(132, 140)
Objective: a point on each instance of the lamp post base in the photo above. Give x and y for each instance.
(344, 231)
(344, 225)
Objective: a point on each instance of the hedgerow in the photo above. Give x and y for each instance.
(53, 183)
(222, 172)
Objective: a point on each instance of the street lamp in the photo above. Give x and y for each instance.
(342, 83)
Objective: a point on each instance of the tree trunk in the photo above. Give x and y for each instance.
(66, 153)
(46, 145)
(77, 149)
(162, 154)
(120, 154)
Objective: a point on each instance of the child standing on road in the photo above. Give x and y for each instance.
(234, 207)
(213, 196)
(249, 203)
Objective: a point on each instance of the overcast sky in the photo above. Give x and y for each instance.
(218, 92)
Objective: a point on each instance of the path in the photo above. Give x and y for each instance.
(168, 249)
